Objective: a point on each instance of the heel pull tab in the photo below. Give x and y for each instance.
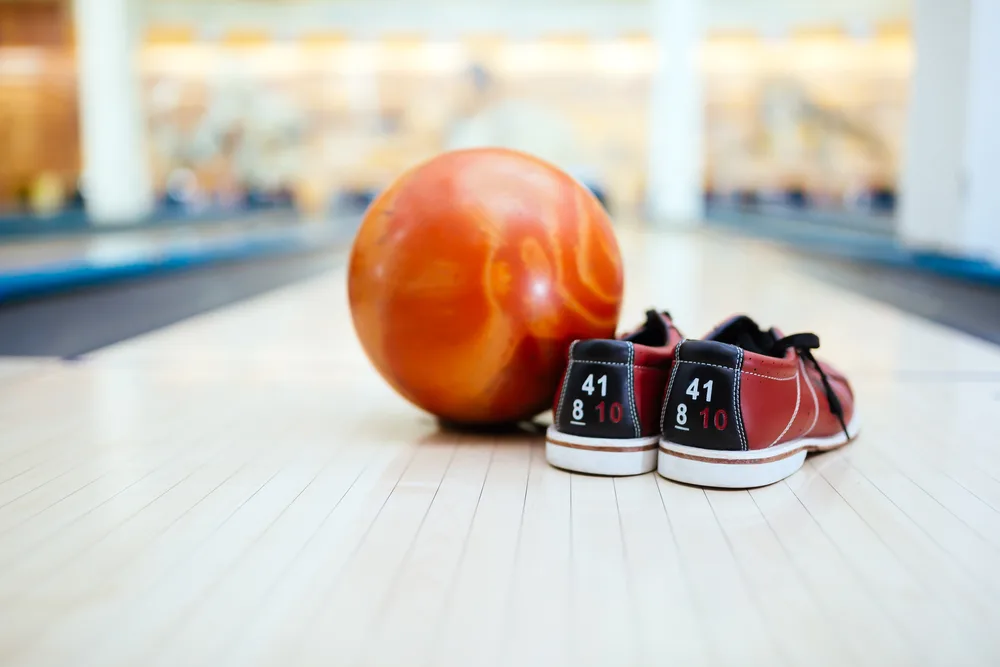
(598, 394)
(702, 407)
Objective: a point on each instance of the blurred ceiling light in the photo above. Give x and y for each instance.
(623, 58)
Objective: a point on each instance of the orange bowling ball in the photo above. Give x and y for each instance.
(471, 275)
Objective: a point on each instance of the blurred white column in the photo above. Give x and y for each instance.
(982, 155)
(116, 176)
(674, 184)
(931, 178)
(950, 181)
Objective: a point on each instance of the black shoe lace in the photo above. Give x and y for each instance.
(804, 343)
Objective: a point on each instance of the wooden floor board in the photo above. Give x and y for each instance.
(669, 626)
(855, 619)
(541, 603)
(905, 597)
(778, 589)
(724, 600)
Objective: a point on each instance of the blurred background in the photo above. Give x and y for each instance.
(319, 104)
(142, 135)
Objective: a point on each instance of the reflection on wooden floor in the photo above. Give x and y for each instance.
(241, 489)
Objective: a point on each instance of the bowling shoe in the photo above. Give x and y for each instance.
(744, 406)
(606, 414)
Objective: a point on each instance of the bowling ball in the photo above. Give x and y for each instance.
(471, 275)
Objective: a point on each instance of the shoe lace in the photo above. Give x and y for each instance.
(804, 344)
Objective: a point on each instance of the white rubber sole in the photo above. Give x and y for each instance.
(744, 470)
(601, 456)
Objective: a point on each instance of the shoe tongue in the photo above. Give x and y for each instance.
(654, 332)
(730, 325)
(743, 332)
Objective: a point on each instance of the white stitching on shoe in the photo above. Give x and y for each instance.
(604, 363)
(631, 389)
(737, 400)
(795, 413)
(666, 397)
(562, 396)
(766, 377)
(812, 390)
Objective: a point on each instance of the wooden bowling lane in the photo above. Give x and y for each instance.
(242, 489)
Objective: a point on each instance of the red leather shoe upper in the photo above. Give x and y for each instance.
(651, 371)
(784, 399)
(741, 388)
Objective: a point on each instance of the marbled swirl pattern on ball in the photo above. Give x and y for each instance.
(472, 274)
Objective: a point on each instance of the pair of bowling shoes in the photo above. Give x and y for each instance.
(739, 408)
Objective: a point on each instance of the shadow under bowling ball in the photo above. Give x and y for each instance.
(517, 432)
